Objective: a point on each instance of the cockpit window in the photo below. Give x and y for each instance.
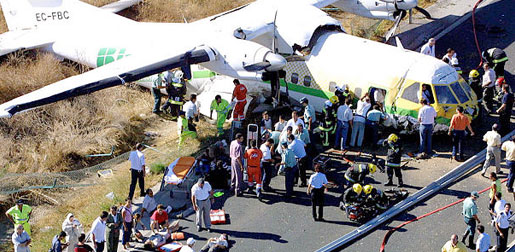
(444, 95)
(467, 87)
(462, 96)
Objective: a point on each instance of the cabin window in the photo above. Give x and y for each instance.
(444, 95)
(307, 80)
(411, 92)
(294, 78)
(462, 96)
(332, 86)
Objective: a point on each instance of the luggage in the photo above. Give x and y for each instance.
(170, 247)
(217, 216)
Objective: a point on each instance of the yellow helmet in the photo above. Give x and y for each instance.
(368, 189)
(393, 138)
(334, 99)
(473, 74)
(372, 168)
(357, 188)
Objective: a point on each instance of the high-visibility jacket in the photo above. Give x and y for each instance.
(22, 216)
(357, 172)
(182, 125)
(240, 92)
(496, 55)
(220, 108)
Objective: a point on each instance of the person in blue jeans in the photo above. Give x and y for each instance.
(374, 116)
(509, 148)
(426, 118)
(459, 123)
(290, 164)
(344, 115)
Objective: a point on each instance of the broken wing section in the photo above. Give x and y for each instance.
(23, 39)
(117, 73)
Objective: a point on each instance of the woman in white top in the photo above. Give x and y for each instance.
(73, 229)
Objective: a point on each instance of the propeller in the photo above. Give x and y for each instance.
(401, 9)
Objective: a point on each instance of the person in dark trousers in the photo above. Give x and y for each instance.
(290, 168)
(470, 217)
(137, 169)
(501, 228)
(113, 224)
(157, 84)
(267, 149)
(393, 159)
(297, 146)
(509, 148)
(497, 58)
(357, 173)
(316, 186)
(459, 123)
(505, 110)
(475, 84)
(57, 245)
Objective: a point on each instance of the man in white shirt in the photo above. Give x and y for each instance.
(429, 47)
(344, 116)
(509, 148)
(483, 240)
(295, 119)
(149, 203)
(281, 124)
(190, 108)
(493, 149)
(98, 231)
(488, 86)
(426, 118)
(137, 170)
(358, 124)
(201, 198)
(267, 149)
(189, 246)
(501, 226)
(498, 206)
(316, 186)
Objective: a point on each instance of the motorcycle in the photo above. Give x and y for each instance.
(362, 212)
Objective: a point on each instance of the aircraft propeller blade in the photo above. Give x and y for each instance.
(256, 67)
(398, 19)
(274, 49)
(423, 11)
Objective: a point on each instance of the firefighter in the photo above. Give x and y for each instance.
(221, 107)
(475, 84)
(176, 89)
(375, 198)
(393, 159)
(496, 58)
(352, 196)
(240, 93)
(327, 126)
(357, 173)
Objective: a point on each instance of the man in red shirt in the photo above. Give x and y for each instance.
(240, 93)
(253, 156)
(159, 218)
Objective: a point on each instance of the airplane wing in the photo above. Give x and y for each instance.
(117, 73)
(120, 5)
(22, 39)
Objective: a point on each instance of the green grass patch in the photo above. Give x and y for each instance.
(157, 168)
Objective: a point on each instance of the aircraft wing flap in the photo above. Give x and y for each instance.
(119, 5)
(22, 39)
(128, 69)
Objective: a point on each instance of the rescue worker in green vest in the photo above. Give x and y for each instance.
(375, 198)
(357, 173)
(20, 215)
(176, 88)
(497, 59)
(183, 128)
(475, 84)
(327, 126)
(393, 159)
(222, 107)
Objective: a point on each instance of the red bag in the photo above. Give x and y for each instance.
(217, 216)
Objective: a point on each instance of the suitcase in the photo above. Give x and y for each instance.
(217, 216)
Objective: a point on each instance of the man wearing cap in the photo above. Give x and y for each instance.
(189, 246)
(201, 198)
(20, 214)
(236, 154)
(309, 114)
(470, 217)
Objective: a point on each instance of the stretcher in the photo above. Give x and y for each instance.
(180, 175)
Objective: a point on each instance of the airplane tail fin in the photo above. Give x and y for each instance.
(28, 14)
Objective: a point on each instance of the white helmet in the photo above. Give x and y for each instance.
(328, 104)
(179, 74)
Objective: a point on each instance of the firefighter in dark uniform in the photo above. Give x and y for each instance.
(497, 59)
(357, 173)
(176, 90)
(475, 84)
(351, 196)
(327, 126)
(375, 198)
(393, 159)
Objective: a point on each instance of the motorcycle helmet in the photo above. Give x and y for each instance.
(368, 189)
(393, 138)
(334, 99)
(372, 168)
(357, 188)
(474, 74)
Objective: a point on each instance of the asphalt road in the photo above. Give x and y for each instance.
(275, 225)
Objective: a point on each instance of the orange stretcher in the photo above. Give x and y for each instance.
(180, 174)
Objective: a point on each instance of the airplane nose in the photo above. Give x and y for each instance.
(277, 62)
